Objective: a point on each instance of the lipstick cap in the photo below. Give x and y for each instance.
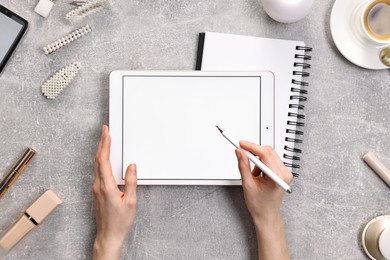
(43, 206)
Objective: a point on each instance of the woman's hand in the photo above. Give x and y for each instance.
(115, 210)
(263, 198)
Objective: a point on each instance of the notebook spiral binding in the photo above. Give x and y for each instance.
(298, 95)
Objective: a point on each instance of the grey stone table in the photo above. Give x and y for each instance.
(334, 197)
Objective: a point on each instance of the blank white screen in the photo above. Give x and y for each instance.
(169, 125)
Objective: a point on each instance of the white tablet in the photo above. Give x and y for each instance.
(164, 121)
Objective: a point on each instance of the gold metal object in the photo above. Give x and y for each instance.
(78, 3)
(16, 170)
(385, 56)
(371, 234)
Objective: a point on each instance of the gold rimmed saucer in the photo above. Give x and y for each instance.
(374, 234)
(349, 43)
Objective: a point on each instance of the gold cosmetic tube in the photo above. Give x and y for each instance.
(32, 217)
(16, 170)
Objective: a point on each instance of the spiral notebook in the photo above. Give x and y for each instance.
(288, 60)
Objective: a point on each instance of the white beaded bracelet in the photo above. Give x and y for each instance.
(53, 87)
(87, 9)
(52, 47)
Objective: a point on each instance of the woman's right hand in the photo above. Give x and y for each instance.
(263, 196)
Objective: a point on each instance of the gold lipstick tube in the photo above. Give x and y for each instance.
(16, 170)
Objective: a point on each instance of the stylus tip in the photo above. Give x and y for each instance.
(220, 129)
(289, 190)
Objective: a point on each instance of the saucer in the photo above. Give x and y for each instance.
(347, 41)
(375, 238)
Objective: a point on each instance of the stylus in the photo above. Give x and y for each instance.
(256, 161)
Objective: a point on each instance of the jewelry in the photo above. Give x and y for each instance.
(87, 9)
(50, 48)
(53, 87)
(78, 2)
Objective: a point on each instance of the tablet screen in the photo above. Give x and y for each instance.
(9, 30)
(169, 124)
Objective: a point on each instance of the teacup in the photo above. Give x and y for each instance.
(371, 23)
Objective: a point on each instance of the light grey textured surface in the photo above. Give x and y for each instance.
(335, 195)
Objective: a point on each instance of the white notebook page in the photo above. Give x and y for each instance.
(224, 52)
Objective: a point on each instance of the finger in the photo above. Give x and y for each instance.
(96, 178)
(244, 167)
(103, 152)
(105, 174)
(131, 182)
(106, 143)
(100, 142)
(265, 153)
(256, 171)
(270, 158)
(98, 152)
(103, 171)
(260, 151)
(102, 161)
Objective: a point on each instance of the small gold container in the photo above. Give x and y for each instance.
(376, 238)
(385, 56)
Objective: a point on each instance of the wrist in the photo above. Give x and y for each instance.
(268, 222)
(106, 248)
(271, 238)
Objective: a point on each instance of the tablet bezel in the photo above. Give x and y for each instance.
(116, 118)
(18, 19)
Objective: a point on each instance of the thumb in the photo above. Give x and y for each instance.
(244, 167)
(131, 182)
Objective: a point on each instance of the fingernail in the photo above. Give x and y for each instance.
(133, 168)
